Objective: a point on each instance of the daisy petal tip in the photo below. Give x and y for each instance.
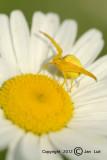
(3, 16)
(38, 13)
(72, 22)
(16, 13)
(54, 16)
(97, 31)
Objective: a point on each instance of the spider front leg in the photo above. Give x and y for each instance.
(65, 79)
(71, 85)
(76, 83)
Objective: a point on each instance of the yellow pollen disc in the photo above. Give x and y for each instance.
(36, 103)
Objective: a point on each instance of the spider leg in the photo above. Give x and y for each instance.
(65, 79)
(77, 82)
(71, 85)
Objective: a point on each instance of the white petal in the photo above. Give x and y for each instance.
(66, 34)
(91, 116)
(12, 147)
(71, 138)
(99, 69)
(5, 123)
(20, 36)
(88, 46)
(7, 134)
(47, 146)
(92, 106)
(6, 71)
(39, 46)
(92, 126)
(90, 51)
(97, 116)
(28, 148)
(93, 93)
(6, 48)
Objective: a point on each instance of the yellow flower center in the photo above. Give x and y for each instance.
(36, 103)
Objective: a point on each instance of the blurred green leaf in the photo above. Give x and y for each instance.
(2, 155)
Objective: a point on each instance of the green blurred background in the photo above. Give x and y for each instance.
(88, 13)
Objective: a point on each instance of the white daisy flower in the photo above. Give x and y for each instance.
(38, 116)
